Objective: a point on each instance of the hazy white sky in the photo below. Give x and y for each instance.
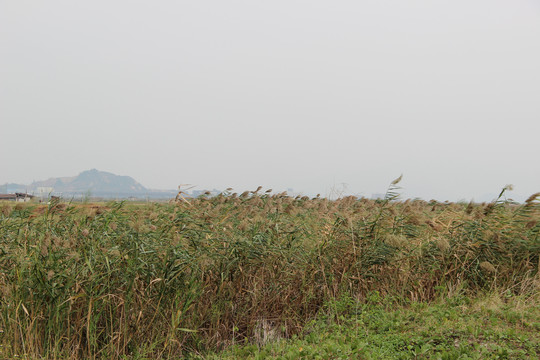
(285, 94)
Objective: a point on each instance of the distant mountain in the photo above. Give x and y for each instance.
(95, 183)
(91, 183)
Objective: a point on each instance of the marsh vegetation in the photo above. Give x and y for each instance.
(194, 277)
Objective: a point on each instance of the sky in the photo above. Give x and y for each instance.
(329, 97)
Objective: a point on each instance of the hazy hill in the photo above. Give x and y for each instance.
(95, 182)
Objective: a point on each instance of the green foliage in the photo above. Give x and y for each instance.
(487, 328)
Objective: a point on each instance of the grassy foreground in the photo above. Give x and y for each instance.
(494, 326)
(190, 278)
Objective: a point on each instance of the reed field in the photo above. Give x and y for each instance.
(236, 275)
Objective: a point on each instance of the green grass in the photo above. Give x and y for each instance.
(487, 327)
(135, 281)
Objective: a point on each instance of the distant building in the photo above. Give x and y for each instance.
(291, 193)
(21, 197)
(44, 192)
